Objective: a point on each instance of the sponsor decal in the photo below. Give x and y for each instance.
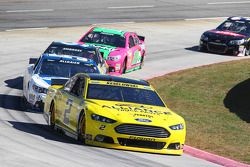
(143, 115)
(72, 49)
(122, 84)
(227, 33)
(143, 120)
(141, 138)
(106, 48)
(139, 110)
(69, 62)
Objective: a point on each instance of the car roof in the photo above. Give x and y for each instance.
(66, 57)
(109, 31)
(103, 77)
(237, 18)
(83, 46)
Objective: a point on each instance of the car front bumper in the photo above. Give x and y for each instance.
(221, 48)
(104, 135)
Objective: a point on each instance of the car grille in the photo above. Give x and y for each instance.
(217, 47)
(141, 143)
(142, 130)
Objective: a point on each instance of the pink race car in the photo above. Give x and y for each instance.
(123, 51)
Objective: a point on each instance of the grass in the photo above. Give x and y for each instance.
(215, 102)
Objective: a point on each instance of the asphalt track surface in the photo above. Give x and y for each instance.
(60, 13)
(25, 139)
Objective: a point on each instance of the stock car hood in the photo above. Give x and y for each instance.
(134, 113)
(223, 35)
(44, 81)
(106, 49)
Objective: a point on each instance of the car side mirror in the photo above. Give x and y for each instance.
(30, 68)
(33, 60)
(142, 38)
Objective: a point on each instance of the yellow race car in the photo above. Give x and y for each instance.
(114, 112)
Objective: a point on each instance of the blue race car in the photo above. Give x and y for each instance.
(37, 77)
(74, 49)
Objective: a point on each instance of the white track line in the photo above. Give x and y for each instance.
(205, 18)
(27, 11)
(222, 3)
(130, 22)
(130, 7)
(25, 29)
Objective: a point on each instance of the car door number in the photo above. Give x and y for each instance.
(67, 111)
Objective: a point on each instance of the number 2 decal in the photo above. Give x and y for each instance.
(102, 127)
(67, 111)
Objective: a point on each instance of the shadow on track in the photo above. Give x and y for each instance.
(15, 83)
(193, 48)
(44, 131)
(196, 49)
(237, 100)
(13, 102)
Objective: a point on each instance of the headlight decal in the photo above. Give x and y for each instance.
(237, 42)
(39, 89)
(204, 37)
(102, 119)
(177, 127)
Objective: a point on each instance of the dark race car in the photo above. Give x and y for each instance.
(231, 37)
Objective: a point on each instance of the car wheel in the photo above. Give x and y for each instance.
(124, 66)
(247, 52)
(52, 115)
(81, 128)
(241, 53)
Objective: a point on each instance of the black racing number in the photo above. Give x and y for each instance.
(67, 111)
(102, 127)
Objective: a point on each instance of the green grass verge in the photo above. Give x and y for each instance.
(215, 102)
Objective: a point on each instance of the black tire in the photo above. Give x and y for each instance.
(124, 66)
(52, 115)
(81, 128)
(142, 62)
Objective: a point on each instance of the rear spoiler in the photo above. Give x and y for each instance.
(142, 38)
(58, 81)
(33, 60)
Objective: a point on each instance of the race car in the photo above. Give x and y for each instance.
(74, 49)
(123, 51)
(114, 112)
(37, 77)
(230, 37)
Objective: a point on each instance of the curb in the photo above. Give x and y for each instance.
(212, 157)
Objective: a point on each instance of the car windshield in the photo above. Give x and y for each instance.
(105, 38)
(124, 94)
(89, 53)
(62, 68)
(241, 27)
